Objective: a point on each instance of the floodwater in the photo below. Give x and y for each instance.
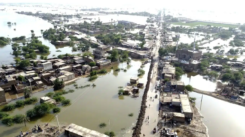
(92, 106)
(24, 25)
(197, 81)
(185, 38)
(223, 119)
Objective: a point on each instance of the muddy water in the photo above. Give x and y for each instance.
(197, 81)
(223, 119)
(92, 106)
(24, 25)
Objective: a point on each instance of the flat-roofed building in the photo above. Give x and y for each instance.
(179, 117)
(46, 65)
(168, 71)
(74, 130)
(186, 106)
(188, 54)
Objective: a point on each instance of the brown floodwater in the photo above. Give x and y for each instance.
(92, 106)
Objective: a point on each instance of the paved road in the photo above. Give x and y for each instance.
(152, 103)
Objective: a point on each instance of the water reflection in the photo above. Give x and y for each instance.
(197, 81)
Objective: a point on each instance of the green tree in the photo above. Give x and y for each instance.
(189, 88)
(8, 121)
(114, 55)
(110, 133)
(8, 107)
(227, 77)
(66, 102)
(58, 84)
(19, 118)
(56, 110)
(3, 114)
(92, 64)
(42, 109)
(24, 63)
(27, 93)
(31, 113)
(19, 103)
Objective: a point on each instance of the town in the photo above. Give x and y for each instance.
(151, 59)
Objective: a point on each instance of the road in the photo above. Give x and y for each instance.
(152, 110)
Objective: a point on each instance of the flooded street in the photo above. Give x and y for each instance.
(92, 106)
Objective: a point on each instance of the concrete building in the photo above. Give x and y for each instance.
(46, 66)
(186, 106)
(100, 51)
(74, 130)
(2, 96)
(103, 62)
(188, 55)
(134, 80)
(168, 72)
(179, 117)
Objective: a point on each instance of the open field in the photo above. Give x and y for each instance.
(193, 24)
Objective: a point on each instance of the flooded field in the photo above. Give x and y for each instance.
(24, 25)
(92, 106)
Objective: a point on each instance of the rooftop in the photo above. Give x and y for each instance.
(81, 131)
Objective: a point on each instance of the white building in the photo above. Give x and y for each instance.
(46, 66)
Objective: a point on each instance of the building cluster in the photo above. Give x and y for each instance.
(45, 72)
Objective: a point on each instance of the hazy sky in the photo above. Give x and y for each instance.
(185, 4)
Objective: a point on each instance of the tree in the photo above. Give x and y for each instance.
(8, 121)
(32, 31)
(92, 64)
(42, 109)
(189, 88)
(114, 55)
(19, 118)
(24, 63)
(3, 114)
(27, 93)
(65, 102)
(19, 103)
(8, 107)
(58, 84)
(31, 113)
(56, 110)
(227, 77)
(242, 27)
(110, 133)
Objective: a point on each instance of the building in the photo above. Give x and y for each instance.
(103, 62)
(177, 85)
(2, 96)
(47, 100)
(168, 72)
(67, 76)
(186, 106)
(74, 130)
(134, 80)
(179, 117)
(100, 51)
(188, 55)
(46, 66)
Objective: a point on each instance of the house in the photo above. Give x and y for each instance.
(135, 90)
(103, 62)
(46, 66)
(140, 85)
(47, 100)
(168, 72)
(74, 130)
(2, 96)
(65, 68)
(188, 55)
(134, 80)
(75, 67)
(179, 117)
(7, 82)
(177, 85)
(127, 90)
(59, 64)
(88, 59)
(86, 68)
(100, 51)
(66, 76)
(186, 106)
(39, 84)
(216, 67)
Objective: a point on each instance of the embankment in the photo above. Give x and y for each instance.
(140, 120)
(216, 95)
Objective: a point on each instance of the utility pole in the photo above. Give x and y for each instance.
(201, 103)
(58, 122)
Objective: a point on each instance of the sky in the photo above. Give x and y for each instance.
(176, 4)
